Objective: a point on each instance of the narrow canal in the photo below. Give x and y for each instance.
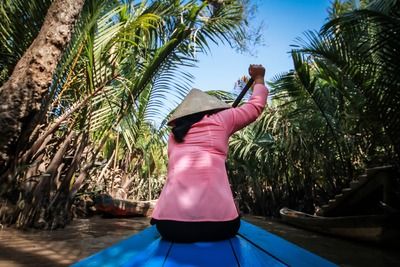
(85, 236)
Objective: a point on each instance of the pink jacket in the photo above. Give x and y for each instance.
(197, 187)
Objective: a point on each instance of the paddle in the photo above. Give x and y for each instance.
(244, 91)
(234, 105)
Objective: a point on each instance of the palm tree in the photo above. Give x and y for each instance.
(361, 46)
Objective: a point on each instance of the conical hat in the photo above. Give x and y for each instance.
(197, 101)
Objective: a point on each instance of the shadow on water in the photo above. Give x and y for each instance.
(24, 257)
(63, 247)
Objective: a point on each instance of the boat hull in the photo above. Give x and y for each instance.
(112, 207)
(253, 246)
(376, 228)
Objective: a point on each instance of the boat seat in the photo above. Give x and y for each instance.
(253, 246)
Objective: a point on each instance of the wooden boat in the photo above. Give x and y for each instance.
(253, 246)
(377, 228)
(113, 207)
(363, 211)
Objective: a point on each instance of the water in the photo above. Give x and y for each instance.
(63, 247)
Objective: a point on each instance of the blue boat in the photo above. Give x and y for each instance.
(252, 246)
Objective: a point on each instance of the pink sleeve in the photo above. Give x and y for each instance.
(234, 119)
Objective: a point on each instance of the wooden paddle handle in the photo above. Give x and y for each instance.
(244, 91)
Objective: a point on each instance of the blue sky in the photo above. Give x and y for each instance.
(284, 21)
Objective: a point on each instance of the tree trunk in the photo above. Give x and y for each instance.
(21, 96)
(37, 207)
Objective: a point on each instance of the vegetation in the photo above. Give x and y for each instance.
(332, 116)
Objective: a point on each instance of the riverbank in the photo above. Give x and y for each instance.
(86, 236)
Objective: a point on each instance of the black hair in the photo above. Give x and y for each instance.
(183, 125)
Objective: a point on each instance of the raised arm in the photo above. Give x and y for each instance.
(235, 119)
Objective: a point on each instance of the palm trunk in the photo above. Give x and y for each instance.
(37, 201)
(24, 91)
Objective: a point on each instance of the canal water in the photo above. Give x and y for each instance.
(63, 247)
(84, 237)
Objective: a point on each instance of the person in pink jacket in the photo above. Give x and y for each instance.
(196, 203)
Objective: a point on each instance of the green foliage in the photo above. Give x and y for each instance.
(332, 116)
(125, 60)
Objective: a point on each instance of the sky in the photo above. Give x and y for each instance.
(284, 21)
